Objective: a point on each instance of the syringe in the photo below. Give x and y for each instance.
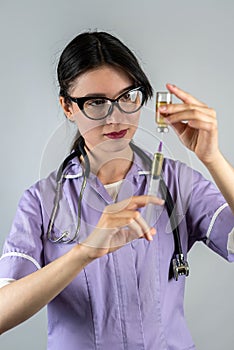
(154, 180)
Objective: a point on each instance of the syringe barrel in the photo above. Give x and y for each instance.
(157, 165)
(153, 190)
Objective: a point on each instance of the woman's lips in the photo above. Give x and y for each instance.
(117, 134)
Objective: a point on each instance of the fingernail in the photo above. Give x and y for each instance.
(172, 85)
(150, 237)
(163, 108)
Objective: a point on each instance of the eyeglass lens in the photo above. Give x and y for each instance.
(98, 108)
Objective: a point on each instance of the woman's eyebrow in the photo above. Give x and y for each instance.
(98, 94)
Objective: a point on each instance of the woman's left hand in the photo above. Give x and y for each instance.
(195, 124)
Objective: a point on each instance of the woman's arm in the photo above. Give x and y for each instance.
(119, 224)
(223, 174)
(196, 125)
(21, 299)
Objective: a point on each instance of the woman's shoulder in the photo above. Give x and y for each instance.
(176, 166)
(184, 177)
(47, 184)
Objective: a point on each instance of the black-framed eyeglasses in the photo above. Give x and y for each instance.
(97, 108)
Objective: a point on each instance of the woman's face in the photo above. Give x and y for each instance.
(115, 131)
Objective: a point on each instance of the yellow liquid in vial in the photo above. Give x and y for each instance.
(159, 118)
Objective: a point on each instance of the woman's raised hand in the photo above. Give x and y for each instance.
(119, 224)
(195, 124)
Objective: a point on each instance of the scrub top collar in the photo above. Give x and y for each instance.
(137, 176)
(138, 168)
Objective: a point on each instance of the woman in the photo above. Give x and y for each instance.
(104, 287)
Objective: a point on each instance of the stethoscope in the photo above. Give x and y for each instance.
(179, 266)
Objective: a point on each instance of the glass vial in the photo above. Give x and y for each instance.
(162, 98)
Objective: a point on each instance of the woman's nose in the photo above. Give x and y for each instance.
(116, 116)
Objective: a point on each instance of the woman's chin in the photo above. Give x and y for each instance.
(114, 145)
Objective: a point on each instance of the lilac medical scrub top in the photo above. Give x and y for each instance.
(124, 300)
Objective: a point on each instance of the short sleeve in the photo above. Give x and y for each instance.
(230, 245)
(23, 248)
(209, 218)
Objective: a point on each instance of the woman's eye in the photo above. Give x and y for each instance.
(96, 102)
(126, 97)
(129, 96)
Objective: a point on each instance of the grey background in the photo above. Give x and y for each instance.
(188, 43)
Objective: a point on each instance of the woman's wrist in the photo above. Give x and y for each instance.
(212, 162)
(223, 175)
(82, 254)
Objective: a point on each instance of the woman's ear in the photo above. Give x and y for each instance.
(67, 108)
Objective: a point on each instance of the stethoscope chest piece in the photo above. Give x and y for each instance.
(179, 266)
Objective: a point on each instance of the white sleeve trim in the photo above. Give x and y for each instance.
(22, 255)
(5, 281)
(212, 222)
(69, 176)
(230, 243)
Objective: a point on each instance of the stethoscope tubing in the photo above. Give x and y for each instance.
(178, 265)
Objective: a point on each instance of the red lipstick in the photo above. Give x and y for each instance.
(117, 134)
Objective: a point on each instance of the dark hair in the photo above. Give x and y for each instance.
(94, 49)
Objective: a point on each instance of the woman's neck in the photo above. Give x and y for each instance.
(110, 166)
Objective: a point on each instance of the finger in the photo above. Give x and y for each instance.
(148, 232)
(183, 96)
(179, 128)
(141, 201)
(184, 107)
(129, 218)
(209, 126)
(137, 227)
(133, 203)
(189, 116)
(113, 220)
